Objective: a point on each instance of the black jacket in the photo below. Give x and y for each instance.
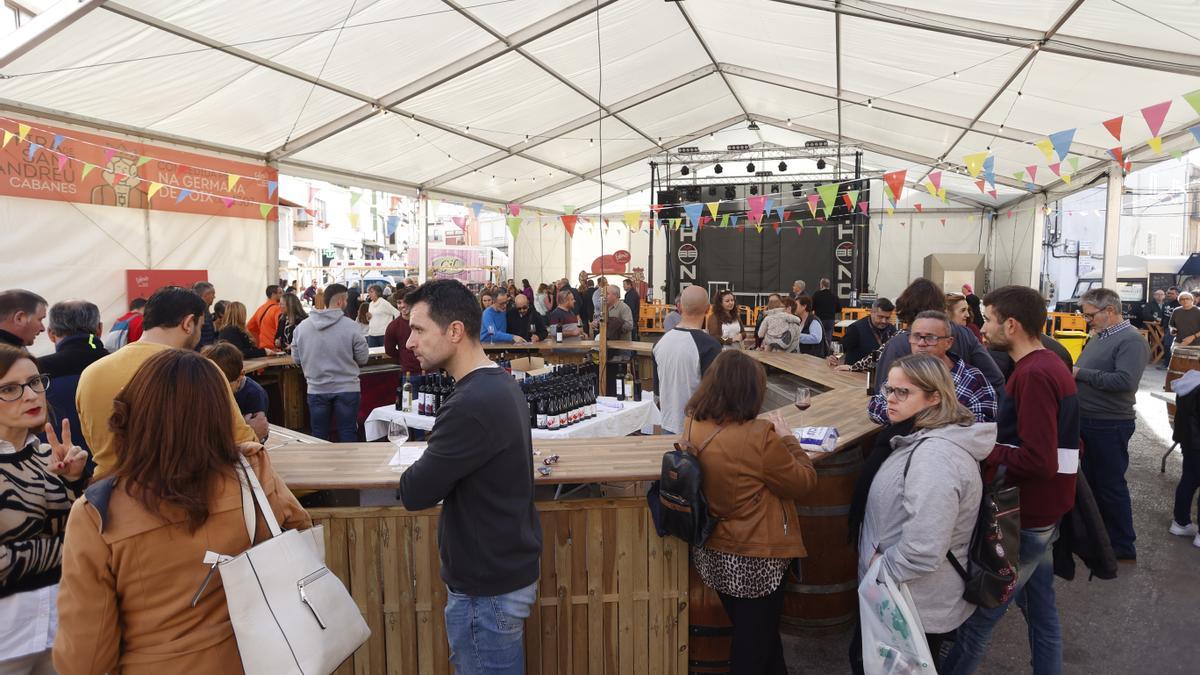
(1081, 533)
(10, 339)
(72, 354)
(239, 339)
(1187, 421)
(860, 339)
(826, 304)
(527, 325)
(208, 332)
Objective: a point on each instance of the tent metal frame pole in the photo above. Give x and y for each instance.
(42, 27)
(1112, 226)
(650, 254)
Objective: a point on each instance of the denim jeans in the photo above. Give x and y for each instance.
(1035, 596)
(1189, 482)
(487, 634)
(343, 406)
(1105, 460)
(375, 340)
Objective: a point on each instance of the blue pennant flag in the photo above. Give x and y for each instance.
(693, 213)
(271, 187)
(183, 193)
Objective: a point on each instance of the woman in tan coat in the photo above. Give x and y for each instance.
(753, 469)
(135, 544)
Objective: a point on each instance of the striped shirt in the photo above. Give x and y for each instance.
(1112, 330)
(970, 386)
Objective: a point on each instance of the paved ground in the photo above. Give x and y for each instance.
(1142, 622)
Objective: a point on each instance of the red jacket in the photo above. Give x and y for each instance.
(265, 323)
(394, 340)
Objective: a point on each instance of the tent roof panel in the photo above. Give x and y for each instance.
(685, 110)
(576, 195)
(580, 150)
(904, 133)
(509, 17)
(1111, 22)
(1035, 14)
(769, 99)
(520, 176)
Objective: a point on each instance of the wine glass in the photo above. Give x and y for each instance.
(803, 398)
(836, 347)
(397, 432)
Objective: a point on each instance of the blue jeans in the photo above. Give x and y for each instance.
(1105, 460)
(487, 634)
(1035, 596)
(375, 340)
(343, 406)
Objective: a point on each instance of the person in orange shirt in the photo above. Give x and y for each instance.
(265, 322)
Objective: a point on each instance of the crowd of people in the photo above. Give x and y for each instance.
(117, 454)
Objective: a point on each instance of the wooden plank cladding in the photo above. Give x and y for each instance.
(613, 595)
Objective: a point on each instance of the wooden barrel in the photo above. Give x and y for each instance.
(1183, 359)
(823, 596)
(710, 632)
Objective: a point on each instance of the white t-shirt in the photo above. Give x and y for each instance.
(680, 358)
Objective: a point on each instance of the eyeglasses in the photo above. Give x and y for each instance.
(1088, 316)
(926, 339)
(901, 393)
(13, 392)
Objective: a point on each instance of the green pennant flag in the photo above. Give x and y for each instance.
(1074, 162)
(828, 194)
(264, 209)
(1019, 175)
(853, 194)
(1193, 100)
(1177, 154)
(141, 161)
(354, 197)
(725, 220)
(87, 168)
(514, 225)
(887, 190)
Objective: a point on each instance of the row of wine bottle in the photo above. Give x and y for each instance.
(423, 394)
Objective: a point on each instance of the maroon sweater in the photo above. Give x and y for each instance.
(1037, 424)
(394, 339)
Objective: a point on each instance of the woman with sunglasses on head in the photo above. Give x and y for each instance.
(924, 499)
(959, 312)
(38, 482)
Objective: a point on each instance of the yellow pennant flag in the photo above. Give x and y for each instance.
(87, 168)
(1066, 178)
(891, 211)
(8, 136)
(233, 179)
(1155, 144)
(633, 220)
(1047, 148)
(942, 195)
(712, 208)
(354, 220)
(22, 131)
(929, 186)
(975, 162)
(154, 188)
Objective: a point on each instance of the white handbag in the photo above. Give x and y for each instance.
(893, 639)
(290, 614)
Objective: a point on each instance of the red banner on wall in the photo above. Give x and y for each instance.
(143, 283)
(51, 163)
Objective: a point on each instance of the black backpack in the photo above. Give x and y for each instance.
(991, 572)
(676, 499)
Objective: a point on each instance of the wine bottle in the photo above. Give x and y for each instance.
(407, 395)
(620, 384)
(541, 413)
(420, 394)
(562, 411)
(552, 414)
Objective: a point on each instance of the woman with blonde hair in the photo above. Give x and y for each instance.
(754, 469)
(232, 329)
(959, 312)
(923, 501)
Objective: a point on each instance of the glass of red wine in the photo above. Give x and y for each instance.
(803, 398)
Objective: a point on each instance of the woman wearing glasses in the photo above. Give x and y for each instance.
(924, 500)
(38, 482)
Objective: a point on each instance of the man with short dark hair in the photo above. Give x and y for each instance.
(479, 465)
(1107, 374)
(1170, 304)
(1038, 444)
(330, 349)
(867, 334)
(634, 301)
(396, 337)
(74, 329)
(127, 328)
(22, 317)
(826, 306)
(207, 293)
(172, 321)
(494, 322)
(265, 323)
(563, 315)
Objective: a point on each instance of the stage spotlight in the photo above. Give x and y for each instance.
(796, 189)
(750, 167)
(684, 171)
(753, 126)
(782, 167)
(712, 191)
(820, 164)
(718, 169)
(774, 189)
(730, 193)
(753, 189)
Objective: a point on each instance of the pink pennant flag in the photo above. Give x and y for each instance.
(1054, 169)
(992, 193)
(228, 202)
(754, 206)
(863, 206)
(1114, 126)
(514, 209)
(1032, 171)
(919, 208)
(936, 179)
(1155, 115)
(109, 153)
(62, 162)
(460, 222)
(813, 200)
(1010, 214)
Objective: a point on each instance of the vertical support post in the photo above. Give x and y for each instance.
(423, 241)
(1112, 226)
(1037, 252)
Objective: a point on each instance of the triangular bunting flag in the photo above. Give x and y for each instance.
(1176, 154)
(981, 184)
(154, 188)
(676, 223)
(781, 213)
(58, 139)
(109, 153)
(117, 178)
(272, 186)
(828, 194)
(931, 188)
(713, 207)
(704, 220)
(935, 177)
(777, 223)
(1062, 142)
(919, 208)
(568, 222)
(459, 221)
(142, 160)
(863, 206)
(725, 220)
(895, 181)
(1195, 132)
(1066, 178)
(514, 224)
(1114, 126)
(569, 210)
(754, 206)
(992, 193)
(183, 193)
(232, 180)
(33, 150)
(1018, 175)
(181, 169)
(22, 131)
(1074, 162)
(768, 205)
(62, 161)
(848, 200)
(853, 195)
(812, 204)
(633, 220)
(1155, 144)
(354, 220)
(1054, 169)
(891, 211)
(514, 209)
(758, 225)
(228, 202)
(693, 213)
(476, 208)
(8, 136)
(1155, 115)
(942, 195)
(943, 221)
(1047, 148)
(264, 209)
(1032, 171)
(733, 221)
(974, 163)
(87, 168)
(887, 192)
(1193, 99)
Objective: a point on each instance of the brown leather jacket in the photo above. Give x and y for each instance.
(751, 476)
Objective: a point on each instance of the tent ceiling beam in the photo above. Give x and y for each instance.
(896, 108)
(442, 75)
(1179, 63)
(903, 155)
(837, 54)
(43, 26)
(637, 157)
(546, 68)
(1026, 62)
(576, 124)
(712, 59)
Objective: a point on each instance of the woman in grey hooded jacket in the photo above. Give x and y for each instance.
(919, 510)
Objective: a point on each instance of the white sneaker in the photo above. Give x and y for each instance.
(1189, 530)
(1196, 541)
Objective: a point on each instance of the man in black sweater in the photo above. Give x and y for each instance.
(525, 322)
(826, 306)
(479, 464)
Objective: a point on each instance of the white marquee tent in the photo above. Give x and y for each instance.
(519, 101)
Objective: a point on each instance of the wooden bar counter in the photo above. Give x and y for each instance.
(614, 597)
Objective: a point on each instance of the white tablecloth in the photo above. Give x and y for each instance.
(609, 422)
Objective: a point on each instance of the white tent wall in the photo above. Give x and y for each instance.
(639, 251)
(1016, 246)
(539, 252)
(65, 250)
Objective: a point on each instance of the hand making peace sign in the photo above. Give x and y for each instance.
(66, 460)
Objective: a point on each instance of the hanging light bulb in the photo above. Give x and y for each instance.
(789, 121)
(869, 104)
(1020, 94)
(956, 74)
(1001, 126)
(590, 143)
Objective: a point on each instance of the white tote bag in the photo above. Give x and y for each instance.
(893, 639)
(290, 614)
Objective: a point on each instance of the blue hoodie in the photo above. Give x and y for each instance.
(329, 348)
(494, 327)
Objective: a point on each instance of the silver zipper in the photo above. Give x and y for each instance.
(304, 595)
(785, 520)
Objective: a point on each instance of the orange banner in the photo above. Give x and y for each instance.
(92, 169)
